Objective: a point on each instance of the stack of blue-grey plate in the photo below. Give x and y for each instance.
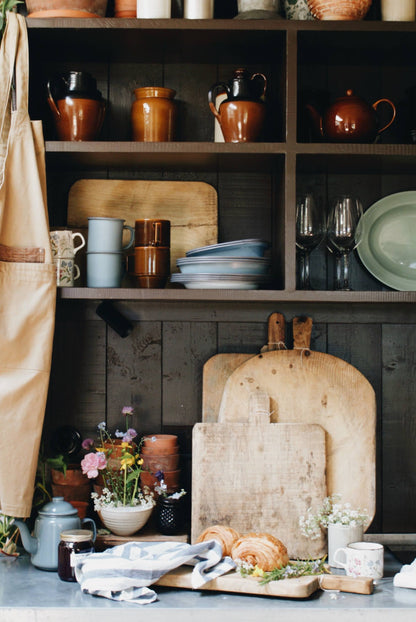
(239, 264)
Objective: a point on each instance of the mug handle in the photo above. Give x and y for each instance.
(90, 521)
(131, 241)
(74, 235)
(77, 272)
(338, 561)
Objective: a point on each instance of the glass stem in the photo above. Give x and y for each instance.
(304, 270)
(342, 271)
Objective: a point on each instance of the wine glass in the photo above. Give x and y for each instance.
(309, 234)
(342, 223)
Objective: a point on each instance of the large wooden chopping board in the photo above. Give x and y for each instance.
(312, 387)
(258, 478)
(190, 206)
(219, 368)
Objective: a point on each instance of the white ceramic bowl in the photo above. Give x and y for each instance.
(223, 265)
(237, 248)
(125, 520)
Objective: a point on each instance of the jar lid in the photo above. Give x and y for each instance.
(76, 535)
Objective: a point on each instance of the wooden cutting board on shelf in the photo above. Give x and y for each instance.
(219, 367)
(190, 206)
(258, 478)
(313, 387)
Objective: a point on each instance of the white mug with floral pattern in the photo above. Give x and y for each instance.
(62, 243)
(362, 559)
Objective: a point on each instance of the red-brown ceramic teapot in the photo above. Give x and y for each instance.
(350, 119)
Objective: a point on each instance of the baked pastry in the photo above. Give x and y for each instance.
(262, 550)
(226, 536)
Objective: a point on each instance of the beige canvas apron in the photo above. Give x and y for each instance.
(27, 279)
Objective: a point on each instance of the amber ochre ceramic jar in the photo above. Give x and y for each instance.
(153, 114)
(73, 542)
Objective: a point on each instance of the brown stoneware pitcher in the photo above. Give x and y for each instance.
(242, 115)
(77, 106)
(350, 119)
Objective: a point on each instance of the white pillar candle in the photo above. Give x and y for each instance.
(398, 10)
(198, 9)
(157, 9)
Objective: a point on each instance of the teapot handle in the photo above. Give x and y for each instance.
(212, 93)
(387, 101)
(261, 75)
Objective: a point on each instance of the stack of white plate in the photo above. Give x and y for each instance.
(239, 264)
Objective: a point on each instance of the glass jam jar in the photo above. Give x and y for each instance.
(73, 542)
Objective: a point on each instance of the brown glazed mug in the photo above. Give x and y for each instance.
(240, 121)
(151, 266)
(153, 114)
(77, 119)
(152, 232)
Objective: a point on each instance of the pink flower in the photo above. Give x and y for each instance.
(92, 463)
(127, 410)
(87, 443)
(129, 435)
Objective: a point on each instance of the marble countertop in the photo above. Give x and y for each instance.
(31, 595)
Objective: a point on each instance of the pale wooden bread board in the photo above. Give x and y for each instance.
(219, 367)
(312, 387)
(258, 478)
(300, 587)
(190, 206)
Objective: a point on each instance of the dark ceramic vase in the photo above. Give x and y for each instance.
(169, 516)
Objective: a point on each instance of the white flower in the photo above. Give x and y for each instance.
(331, 512)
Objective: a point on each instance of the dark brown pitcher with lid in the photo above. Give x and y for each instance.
(241, 116)
(77, 106)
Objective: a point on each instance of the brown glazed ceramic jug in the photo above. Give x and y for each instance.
(77, 106)
(241, 116)
(350, 119)
(153, 114)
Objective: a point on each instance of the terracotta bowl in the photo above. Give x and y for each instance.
(339, 9)
(66, 8)
(169, 462)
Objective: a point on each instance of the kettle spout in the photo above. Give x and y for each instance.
(316, 118)
(29, 542)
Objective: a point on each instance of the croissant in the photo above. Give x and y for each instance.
(262, 550)
(226, 536)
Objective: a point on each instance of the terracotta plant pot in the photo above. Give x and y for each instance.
(116, 448)
(72, 477)
(169, 462)
(72, 493)
(125, 8)
(61, 8)
(81, 507)
(171, 480)
(161, 442)
(159, 451)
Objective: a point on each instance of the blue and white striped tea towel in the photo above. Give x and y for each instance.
(124, 572)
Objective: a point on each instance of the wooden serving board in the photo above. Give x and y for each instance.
(219, 367)
(312, 387)
(258, 478)
(299, 587)
(190, 206)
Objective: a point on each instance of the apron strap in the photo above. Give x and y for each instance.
(8, 50)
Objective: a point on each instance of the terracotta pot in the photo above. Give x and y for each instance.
(125, 8)
(161, 442)
(72, 493)
(87, 8)
(153, 114)
(81, 507)
(114, 451)
(73, 476)
(159, 451)
(171, 480)
(161, 463)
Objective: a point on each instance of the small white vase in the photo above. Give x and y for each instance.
(398, 10)
(154, 9)
(339, 536)
(198, 9)
(125, 520)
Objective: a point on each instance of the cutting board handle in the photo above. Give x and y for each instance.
(302, 331)
(276, 333)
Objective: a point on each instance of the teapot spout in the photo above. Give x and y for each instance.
(316, 118)
(29, 542)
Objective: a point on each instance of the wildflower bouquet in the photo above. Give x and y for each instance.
(118, 463)
(162, 489)
(8, 535)
(330, 513)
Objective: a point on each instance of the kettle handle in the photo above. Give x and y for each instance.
(261, 75)
(212, 93)
(51, 100)
(387, 101)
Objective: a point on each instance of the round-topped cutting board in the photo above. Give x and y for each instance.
(313, 387)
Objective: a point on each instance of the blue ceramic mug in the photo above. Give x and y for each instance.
(105, 235)
(105, 269)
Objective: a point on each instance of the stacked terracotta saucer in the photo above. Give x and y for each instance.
(160, 452)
